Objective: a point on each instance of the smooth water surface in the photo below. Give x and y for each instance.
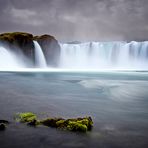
(117, 102)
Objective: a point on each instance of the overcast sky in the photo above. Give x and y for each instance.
(83, 20)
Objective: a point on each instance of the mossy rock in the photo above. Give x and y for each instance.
(19, 42)
(51, 122)
(75, 124)
(15, 36)
(26, 117)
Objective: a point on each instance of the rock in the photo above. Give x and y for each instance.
(4, 121)
(51, 122)
(19, 42)
(33, 123)
(74, 124)
(2, 126)
(26, 117)
(50, 47)
(77, 124)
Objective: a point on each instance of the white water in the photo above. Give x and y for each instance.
(9, 60)
(90, 56)
(105, 55)
(39, 56)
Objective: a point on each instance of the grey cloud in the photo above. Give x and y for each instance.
(77, 19)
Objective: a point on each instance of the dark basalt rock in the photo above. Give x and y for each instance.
(19, 42)
(50, 47)
(51, 122)
(2, 126)
(4, 121)
(32, 123)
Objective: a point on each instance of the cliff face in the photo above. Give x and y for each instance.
(23, 42)
(50, 47)
(19, 42)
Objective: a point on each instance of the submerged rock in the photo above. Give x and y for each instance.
(50, 47)
(2, 126)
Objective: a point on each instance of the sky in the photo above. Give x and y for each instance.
(77, 20)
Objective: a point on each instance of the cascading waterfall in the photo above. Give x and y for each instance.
(89, 55)
(39, 56)
(105, 55)
(8, 60)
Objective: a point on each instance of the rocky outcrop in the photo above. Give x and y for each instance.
(21, 42)
(50, 47)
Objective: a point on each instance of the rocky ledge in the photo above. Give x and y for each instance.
(20, 42)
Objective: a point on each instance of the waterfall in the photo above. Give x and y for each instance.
(8, 60)
(89, 55)
(39, 56)
(104, 55)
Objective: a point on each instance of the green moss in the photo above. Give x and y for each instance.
(12, 34)
(60, 123)
(26, 117)
(15, 37)
(75, 124)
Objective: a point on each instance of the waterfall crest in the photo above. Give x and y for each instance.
(39, 56)
(104, 55)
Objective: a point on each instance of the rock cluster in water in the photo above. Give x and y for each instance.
(75, 124)
(23, 42)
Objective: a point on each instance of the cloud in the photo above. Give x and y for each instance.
(25, 16)
(22, 13)
(77, 19)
